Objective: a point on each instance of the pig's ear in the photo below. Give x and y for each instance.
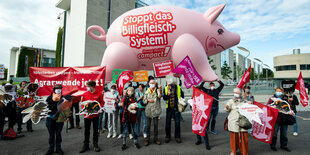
(212, 13)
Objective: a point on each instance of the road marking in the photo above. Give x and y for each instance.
(305, 119)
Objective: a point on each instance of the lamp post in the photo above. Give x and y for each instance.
(261, 65)
(246, 58)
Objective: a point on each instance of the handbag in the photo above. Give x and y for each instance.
(226, 124)
(286, 119)
(181, 105)
(244, 123)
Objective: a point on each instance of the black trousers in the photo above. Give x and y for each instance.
(76, 108)
(54, 129)
(1, 121)
(87, 124)
(20, 120)
(148, 128)
(10, 112)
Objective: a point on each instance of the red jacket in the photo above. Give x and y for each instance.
(96, 96)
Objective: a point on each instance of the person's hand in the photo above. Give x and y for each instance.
(249, 102)
(150, 100)
(132, 108)
(141, 97)
(291, 113)
(67, 120)
(169, 91)
(121, 104)
(227, 106)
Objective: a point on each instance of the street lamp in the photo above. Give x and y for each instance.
(261, 65)
(246, 58)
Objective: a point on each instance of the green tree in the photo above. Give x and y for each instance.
(211, 62)
(58, 47)
(23, 70)
(269, 74)
(225, 71)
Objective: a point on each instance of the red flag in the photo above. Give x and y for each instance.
(123, 79)
(300, 85)
(202, 104)
(245, 78)
(264, 132)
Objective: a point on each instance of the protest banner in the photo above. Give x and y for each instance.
(300, 85)
(164, 68)
(191, 76)
(245, 78)
(123, 79)
(140, 76)
(109, 102)
(202, 104)
(264, 132)
(117, 73)
(72, 79)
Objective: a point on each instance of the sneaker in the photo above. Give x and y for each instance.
(157, 142)
(295, 134)
(273, 148)
(19, 132)
(114, 134)
(146, 143)
(198, 142)
(124, 147)
(286, 149)
(178, 140)
(130, 136)
(137, 146)
(120, 136)
(208, 147)
(96, 148)
(59, 151)
(167, 140)
(84, 148)
(49, 152)
(78, 127)
(214, 132)
(109, 135)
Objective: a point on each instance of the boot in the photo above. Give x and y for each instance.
(96, 147)
(84, 148)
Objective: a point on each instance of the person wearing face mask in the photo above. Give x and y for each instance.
(93, 95)
(247, 94)
(129, 118)
(279, 93)
(171, 95)
(214, 92)
(238, 135)
(153, 110)
(54, 127)
(141, 110)
(20, 92)
(112, 117)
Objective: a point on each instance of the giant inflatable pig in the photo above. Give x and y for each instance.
(140, 37)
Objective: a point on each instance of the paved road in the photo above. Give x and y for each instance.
(36, 142)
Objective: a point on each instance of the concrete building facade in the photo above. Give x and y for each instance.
(78, 48)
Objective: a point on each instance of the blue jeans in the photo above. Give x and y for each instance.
(206, 138)
(295, 125)
(212, 118)
(141, 115)
(283, 135)
(125, 128)
(54, 130)
(171, 112)
(105, 120)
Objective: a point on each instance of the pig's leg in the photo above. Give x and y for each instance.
(118, 56)
(188, 45)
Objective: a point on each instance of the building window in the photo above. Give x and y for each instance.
(48, 62)
(285, 68)
(305, 67)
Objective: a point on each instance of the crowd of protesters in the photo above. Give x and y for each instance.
(139, 107)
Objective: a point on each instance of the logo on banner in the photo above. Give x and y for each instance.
(123, 79)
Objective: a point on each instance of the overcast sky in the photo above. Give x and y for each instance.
(267, 28)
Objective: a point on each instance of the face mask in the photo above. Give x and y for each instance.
(236, 95)
(152, 85)
(113, 91)
(58, 91)
(278, 94)
(88, 89)
(212, 88)
(247, 90)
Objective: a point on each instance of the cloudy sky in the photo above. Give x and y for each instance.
(267, 28)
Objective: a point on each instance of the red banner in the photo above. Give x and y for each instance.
(73, 79)
(245, 78)
(123, 79)
(164, 68)
(300, 85)
(264, 132)
(202, 104)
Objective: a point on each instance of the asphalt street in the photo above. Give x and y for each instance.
(37, 142)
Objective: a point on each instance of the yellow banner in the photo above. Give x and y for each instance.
(140, 76)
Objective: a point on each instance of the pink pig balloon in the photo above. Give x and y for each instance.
(140, 37)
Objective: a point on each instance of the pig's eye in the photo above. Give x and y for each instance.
(220, 31)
